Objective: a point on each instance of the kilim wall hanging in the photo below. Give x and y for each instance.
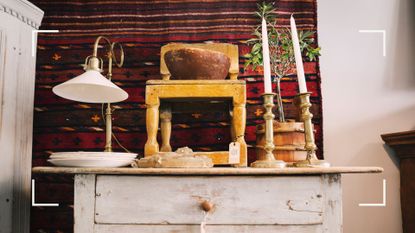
(143, 27)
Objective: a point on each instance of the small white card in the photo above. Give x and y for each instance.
(203, 227)
(234, 152)
(203, 223)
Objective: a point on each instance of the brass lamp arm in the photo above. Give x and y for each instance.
(96, 44)
(95, 63)
(121, 62)
(111, 57)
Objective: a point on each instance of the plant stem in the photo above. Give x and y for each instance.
(280, 106)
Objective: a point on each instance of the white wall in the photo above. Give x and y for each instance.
(364, 95)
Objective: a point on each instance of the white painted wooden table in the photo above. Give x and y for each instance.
(247, 200)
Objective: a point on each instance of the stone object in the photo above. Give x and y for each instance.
(183, 157)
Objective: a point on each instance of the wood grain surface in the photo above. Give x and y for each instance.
(207, 171)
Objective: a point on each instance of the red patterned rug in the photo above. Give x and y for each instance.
(142, 27)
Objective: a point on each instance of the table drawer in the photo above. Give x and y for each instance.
(208, 228)
(238, 200)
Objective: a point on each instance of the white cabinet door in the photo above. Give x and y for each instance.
(18, 18)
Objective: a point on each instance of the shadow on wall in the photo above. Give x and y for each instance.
(401, 57)
(392, 155)
(375, 151)
(371, 147)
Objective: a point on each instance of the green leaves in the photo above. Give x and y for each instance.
(280, 42)
(254, 58)
(306, 45)
(281, 48)
(257, 48)
(267, 11)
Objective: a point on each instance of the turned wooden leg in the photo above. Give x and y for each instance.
(165, 127)
(233, 76)
(165, 76)
(238, 124)
(152, 122)
(233, 136)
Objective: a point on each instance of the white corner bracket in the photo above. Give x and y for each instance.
(40, 204)
(383, 204)
(383, 37)
(34, 35)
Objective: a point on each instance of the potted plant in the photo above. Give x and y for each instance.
(289, 135)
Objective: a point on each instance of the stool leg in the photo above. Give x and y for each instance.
(238, 125)
(152, 122)
(233, 136)
(165, 126)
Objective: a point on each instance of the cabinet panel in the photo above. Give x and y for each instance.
(18, 18)
(2, 65)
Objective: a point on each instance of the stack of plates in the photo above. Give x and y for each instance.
(92, 159)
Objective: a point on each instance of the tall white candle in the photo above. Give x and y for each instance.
(298, 57)
(265, 58)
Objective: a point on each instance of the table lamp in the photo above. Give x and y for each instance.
(93, 87)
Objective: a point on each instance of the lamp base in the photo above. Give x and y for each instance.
(312, 163)
(268, 164)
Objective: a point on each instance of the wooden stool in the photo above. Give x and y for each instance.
(186, 91)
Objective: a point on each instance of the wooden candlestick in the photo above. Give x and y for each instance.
(269, 161)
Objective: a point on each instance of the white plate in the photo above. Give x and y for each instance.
(53, 156)
(94, 157)
(87, 154)
(91, 162)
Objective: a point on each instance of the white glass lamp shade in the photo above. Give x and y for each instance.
(90, 87)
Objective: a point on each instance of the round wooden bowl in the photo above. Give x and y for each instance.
(194, 63)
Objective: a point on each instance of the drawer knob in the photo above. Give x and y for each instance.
(206, 206)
